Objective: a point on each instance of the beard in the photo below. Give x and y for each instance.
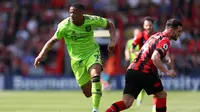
(149, 31)
(175, 38)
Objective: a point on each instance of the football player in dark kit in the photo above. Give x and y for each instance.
(139, 40)
(141, 73)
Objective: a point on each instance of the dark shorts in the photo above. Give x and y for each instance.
(135, 81)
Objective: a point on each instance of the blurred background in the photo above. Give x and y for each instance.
(26, 25)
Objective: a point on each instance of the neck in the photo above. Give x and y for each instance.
(150, 32)
(166, 33)
(80, 22)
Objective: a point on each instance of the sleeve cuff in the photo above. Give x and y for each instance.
(160, 51)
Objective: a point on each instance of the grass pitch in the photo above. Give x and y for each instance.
(74, 101)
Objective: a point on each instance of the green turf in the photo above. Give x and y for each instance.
(74, 101)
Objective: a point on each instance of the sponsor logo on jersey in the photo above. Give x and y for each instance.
(88, 28)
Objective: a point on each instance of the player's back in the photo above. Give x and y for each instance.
(143, 60)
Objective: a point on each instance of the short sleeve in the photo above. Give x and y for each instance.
(99, 21)
(60, 32)
(163, 46)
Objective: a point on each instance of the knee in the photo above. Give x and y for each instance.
(162, 94)
(95, 69)
(87, 94)
(128, 104)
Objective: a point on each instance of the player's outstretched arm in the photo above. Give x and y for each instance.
(45, 49)
(158, 63)
(111, 28)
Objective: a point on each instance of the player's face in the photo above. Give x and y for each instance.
(148, 26)
(75, 14)
(176, 33)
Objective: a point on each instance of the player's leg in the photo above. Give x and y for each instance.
(160, 74)
(82, 76)
(95, 68)
(95, 72)
(131, 91)
(140, 97)
(86, 89)
(123, 104)
(160, 101)
(153, 85)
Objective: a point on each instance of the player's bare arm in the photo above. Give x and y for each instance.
(127, 54)
(169, 61)
(111, 28)
(158, 63)
(44, 50)
(136, 41)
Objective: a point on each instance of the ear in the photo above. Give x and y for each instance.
(170, 30)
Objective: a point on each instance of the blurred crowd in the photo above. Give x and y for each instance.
(26, 25)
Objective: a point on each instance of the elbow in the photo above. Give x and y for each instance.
(110, 24)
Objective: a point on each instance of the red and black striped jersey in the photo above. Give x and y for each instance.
(141, 38)
(143, 62)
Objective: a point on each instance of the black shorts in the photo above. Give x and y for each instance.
(135, 81)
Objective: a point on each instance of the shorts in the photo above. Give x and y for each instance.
(81, 67)
(135, 81)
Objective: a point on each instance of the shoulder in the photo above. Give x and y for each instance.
(166, 39)
(92, 17)
(164, 43)
(64, 22)
(130, 41)
(139, 35)
(87, 16)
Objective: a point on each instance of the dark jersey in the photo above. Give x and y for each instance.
(143, 62)
(141, 38)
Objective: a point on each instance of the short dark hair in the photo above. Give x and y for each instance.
(173, 23)
(148, 18)
(78, 6)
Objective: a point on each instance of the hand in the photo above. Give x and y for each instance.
(171, 73)
(111, 46)
(37, 61)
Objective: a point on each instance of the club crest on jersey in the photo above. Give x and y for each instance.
(165, 46)
(88, 28)
(74, 36)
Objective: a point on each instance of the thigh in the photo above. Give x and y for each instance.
(133, 83)
(94, 64)
(152, 84)
(81, 74)
(94, 61)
